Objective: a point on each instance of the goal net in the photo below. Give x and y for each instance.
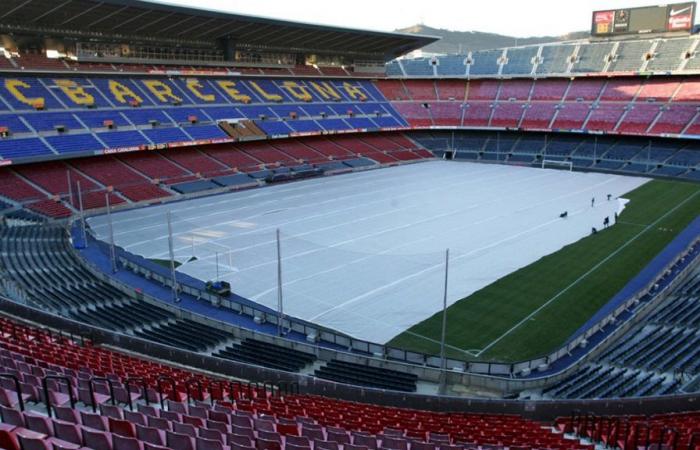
(557, 164)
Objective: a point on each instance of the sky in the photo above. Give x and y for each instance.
(519, 18)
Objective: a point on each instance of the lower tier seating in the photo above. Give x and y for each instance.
(656, 156)
(362, 375)
(52, 188)
(267, 355)
(237, 417)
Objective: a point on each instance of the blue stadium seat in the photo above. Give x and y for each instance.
(71, 143)
(519, 60)
(165, 135)
(13, 123)
(205, 132)
(48, 121)
(23, 148)
(304, 125)
(117, 139)
(274, 127)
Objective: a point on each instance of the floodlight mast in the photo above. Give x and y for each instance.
(173, 275)
(443, 358)
(82, 215)
(280, 308)
(112, 251)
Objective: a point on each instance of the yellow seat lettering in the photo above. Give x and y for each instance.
(297, 91)
(232, 91)
(121, 93)
(196, 87)
(75, 92)
(355, 92)
(326, 90)
(266, 95)
(15, 87)
(162, 91)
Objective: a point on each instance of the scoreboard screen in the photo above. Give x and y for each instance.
(647, 19)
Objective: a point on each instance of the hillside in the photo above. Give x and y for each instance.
(464, 41)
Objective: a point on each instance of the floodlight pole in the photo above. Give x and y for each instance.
(82, 215)
(176, 299)
(70, 188)
(443, 358)
(112, 252)
(498, 146)
(544, 149)
(280, 308)
(217, 266)
(595, 149)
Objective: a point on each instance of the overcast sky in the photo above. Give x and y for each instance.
(518, 18)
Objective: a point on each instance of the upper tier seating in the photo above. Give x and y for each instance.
(485, 62)
(519, 60)
(555, 58)
(629, 56)
(628, 105)
(282, 107)
(669, 54)
(582, 57)
(44, 116)
(453, 65)
(419, 66)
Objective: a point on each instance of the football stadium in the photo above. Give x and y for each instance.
(222, 231)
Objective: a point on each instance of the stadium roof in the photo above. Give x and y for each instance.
(165, 21)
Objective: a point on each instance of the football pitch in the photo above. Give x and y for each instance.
(363, 253)
(533, 310)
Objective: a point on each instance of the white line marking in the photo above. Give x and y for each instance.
(579, 279)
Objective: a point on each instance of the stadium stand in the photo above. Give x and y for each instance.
(656, 430)
(624, 105)
(267, 355)
(519, 61)
(656, 357)
(486, 62)
(629, 56)
(669, 54)
(452, 66)
(154, 175)
(357, 374)
(116, 128)
(242, 416)
(418, 67)
(555, 58)
(133, 112)
(661, 157)
(661, 55)
(592, 58)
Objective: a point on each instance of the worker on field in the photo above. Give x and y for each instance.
(592, 202)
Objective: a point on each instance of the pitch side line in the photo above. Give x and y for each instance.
(593, 269)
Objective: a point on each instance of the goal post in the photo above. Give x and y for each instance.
(559, 164)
